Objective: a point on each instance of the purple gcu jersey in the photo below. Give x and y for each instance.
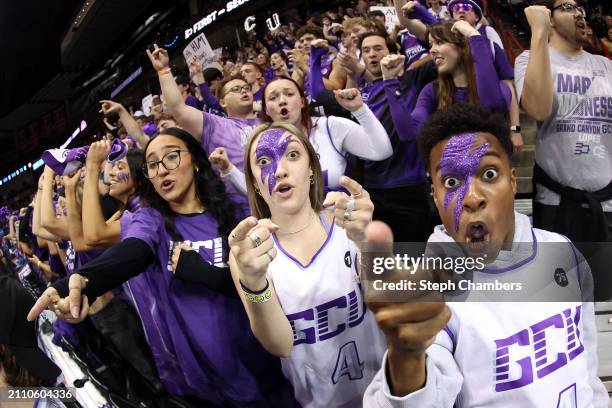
(216, 352)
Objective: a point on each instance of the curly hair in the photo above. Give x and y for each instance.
(461, 118)
(209, 187)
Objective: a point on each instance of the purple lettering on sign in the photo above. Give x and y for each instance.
(459, 162)
(271, 146)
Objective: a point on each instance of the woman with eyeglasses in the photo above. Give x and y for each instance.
(203, 325)
(294, 265)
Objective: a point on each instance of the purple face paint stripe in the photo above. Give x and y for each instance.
(123, 177)
(271, 146)
(458, 161)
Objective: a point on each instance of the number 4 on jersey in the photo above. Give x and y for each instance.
(348, 363)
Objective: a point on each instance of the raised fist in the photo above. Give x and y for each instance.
(538, 18)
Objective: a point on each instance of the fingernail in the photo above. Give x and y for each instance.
(74, 310)
(274, 225)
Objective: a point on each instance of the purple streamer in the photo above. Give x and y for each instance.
(459, 162)
(270, 145)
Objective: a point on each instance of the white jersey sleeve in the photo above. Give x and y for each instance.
(442, 384)
(368, 140)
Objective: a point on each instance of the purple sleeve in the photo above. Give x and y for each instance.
(421, 13)
(502, 65)
(400, 114)
(315, 83)
(145, 225)
(193, 102)
(425, 106)
(209, 99)
(491, 97)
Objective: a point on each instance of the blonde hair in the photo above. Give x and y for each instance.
(259, 207)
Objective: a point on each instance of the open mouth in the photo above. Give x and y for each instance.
(438, 60)
(284, 112)
(284, 190)
(167, 185)
(581, 25)
(477, 235)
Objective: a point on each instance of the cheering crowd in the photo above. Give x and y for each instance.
(216, 245)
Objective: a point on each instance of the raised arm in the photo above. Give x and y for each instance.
(189, 118)
(492, 93)
(536, 87)
(368, 140)
(96, 231)
(414, 17)
(48, 218)
(130, 124)
(36, 228)
(75, 221)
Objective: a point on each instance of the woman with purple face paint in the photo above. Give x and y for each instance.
(332, 137)
(98, 231)
(295, 265)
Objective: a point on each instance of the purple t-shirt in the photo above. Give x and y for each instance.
(209, 333)
(232, 134)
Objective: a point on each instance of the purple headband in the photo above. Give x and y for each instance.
(458, 161)
(271, 145)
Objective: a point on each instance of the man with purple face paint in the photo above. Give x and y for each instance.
(495, 348)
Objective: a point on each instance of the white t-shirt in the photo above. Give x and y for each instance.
(574, 145)
(442, 15)
(337, 344)
(514, 354)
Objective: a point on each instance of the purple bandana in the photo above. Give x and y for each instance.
(270, 145)
(459, 162)
(65, 161)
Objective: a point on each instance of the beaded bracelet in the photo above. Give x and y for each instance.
(260, 296)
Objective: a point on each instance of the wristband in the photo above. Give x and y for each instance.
(261, 296)
(515, 129)
(164, 71)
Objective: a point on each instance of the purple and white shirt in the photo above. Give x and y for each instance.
(513, 354)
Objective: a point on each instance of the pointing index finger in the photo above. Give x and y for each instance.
(240, 232)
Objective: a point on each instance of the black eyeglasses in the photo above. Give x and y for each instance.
(170, 161)
(571, 8)
(240, 88)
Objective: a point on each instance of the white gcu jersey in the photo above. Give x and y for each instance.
(531, 353)
(337, 345)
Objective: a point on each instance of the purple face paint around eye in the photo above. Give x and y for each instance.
(270, 145)
(459, 162)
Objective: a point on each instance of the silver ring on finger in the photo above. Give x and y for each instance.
(347, 215)
(350, 205)
(255, 239)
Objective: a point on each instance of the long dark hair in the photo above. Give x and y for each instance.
(210, 190)
(307, 111)
(446, 86)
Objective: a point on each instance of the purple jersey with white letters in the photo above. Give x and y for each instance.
(210, 334)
